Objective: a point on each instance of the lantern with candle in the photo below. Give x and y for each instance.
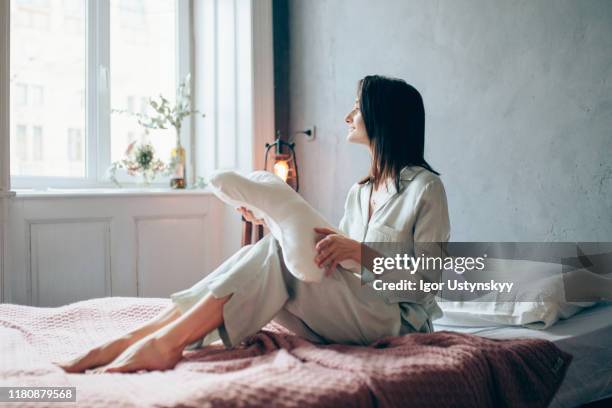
(283, 164)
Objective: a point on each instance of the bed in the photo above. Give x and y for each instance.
(587, 336)
(276, 368)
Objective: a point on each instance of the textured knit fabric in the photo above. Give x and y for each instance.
(275, 368)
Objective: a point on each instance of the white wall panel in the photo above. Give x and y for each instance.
(63, 249)
(171, 253)
(69, 261)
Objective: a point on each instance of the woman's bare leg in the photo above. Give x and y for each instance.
(108, 351)
(163, 349)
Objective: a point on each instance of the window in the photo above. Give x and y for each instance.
(75, 145)
(130, 104)
(37, 96)
(34, 14)
(21, 143)
(73, 10)
(48, 69)
(21, 95)
(28, 95)
(72, 63)
(142, 41)
(34, 3)
(144, 106)
(131, 14)
(131, 137)
(37, 143)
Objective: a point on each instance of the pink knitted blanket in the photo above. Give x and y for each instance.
(276, 368)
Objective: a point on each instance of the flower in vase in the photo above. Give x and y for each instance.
(138, 160)
(164, 114)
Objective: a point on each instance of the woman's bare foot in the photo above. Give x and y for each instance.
(106, 353)
(151, 353)
(163, 349)
(97, 356)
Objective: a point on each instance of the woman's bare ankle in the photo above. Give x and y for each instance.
(123, 341)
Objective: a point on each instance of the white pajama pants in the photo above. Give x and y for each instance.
(337, 310)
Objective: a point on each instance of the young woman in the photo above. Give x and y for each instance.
(401, 200)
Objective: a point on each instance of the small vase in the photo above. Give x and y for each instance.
(145, 180)
(179, 176)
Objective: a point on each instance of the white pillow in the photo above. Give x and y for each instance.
(539, 303)
(289, 217)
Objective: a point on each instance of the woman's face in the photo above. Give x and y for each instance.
(356, 126)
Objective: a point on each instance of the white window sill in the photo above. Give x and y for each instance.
(7, 194)
(108, 192)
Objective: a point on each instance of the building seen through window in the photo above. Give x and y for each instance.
(48, 77)
(48, 80)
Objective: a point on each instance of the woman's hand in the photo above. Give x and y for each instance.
(335, 248)
(248, 215)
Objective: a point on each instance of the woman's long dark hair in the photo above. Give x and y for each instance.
(394, 118)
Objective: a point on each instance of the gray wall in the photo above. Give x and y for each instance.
(518, 97)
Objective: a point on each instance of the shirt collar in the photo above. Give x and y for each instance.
(408, 173)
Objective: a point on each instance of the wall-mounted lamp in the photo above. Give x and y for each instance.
(284, 165)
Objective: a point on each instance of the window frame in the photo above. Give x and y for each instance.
(97, 138)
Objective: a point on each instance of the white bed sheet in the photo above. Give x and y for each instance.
(587, 336)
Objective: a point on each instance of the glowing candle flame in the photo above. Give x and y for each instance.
(281, 169)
